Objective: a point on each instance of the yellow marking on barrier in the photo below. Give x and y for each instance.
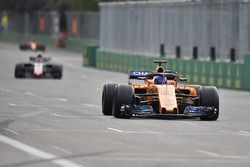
(195, 67)
(180, 67)
(188, 76)
(188, 67)
(211, 81)
(174, 66)
(212, 69)
(196, 79)
(229, 72)
(203, 69)
(220, 70)
(238, 71)
(229, 83)
(220, 82)
(237, 84)
(203, 80)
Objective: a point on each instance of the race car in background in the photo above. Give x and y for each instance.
(38, 67)
(32, 45)
(159, 93)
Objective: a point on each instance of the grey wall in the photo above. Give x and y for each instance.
(88, 23)
(140, 27)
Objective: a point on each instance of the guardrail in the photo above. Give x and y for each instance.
(221, 74)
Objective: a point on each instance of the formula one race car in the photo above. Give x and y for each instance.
(160, 93)
(32, 45)
(38, 67)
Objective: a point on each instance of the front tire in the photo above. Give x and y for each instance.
(57, 71)
(209, 98)
(108, 93)
(124, 95)
(19, 71)
(41, 48)
(23, 47)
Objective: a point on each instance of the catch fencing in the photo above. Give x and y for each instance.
(80, 25)
(206, 28)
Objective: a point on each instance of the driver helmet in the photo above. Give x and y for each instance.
(160, 80)
(39, 57)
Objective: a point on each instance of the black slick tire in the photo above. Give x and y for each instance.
(209, 98)
(57, 71)
(23, 47)
(41, 47)
(19, 71)
(108, 93)
(124, 95)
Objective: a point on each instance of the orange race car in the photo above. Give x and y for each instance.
(159, 93)
(32, 45)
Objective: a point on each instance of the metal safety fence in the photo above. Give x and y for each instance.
(189, 29)
(84, 25)
(79, 25)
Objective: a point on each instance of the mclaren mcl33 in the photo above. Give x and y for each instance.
(161, 93)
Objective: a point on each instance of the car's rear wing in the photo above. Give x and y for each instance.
(44, 59)
(169, 74)
(138, 74)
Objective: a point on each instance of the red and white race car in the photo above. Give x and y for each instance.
(38, 67)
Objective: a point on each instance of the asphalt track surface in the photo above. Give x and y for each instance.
(46, 122)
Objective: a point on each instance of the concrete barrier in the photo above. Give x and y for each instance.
(221, 74)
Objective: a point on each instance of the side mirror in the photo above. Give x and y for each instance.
(183, 79)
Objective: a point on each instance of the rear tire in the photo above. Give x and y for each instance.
(108, 93)
(19, 71)
(209, 98)
(57, 71)
(23, 47)
(124, 95)
(41, 48)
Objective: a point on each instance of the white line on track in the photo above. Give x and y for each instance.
(61, 99)
(61, 149)
(245, 133)
(208, 153)
(6, 90)
(239, 157)
(91, 105)
(23, 105)
(11, 131)
(132, 132)
(116, 130)
(223, 156)
(38, 153)
(65, 116)
(32, 114)
(12, 104)
(141, 132)
(30, 94)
